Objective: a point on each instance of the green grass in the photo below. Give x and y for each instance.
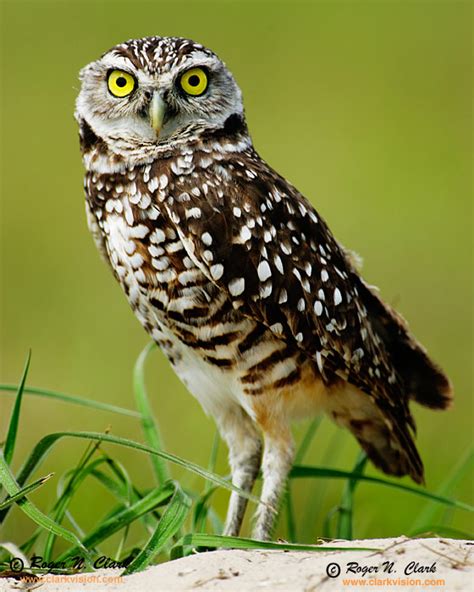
(171, 520)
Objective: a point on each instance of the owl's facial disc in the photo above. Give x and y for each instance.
(155, 90)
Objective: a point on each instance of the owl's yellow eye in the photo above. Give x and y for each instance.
(120, 83)
(194, 82)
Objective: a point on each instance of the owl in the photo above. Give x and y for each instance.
(261, 312)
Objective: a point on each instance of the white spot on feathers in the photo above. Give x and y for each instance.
(154, 251)
(266, 290)
(319, 361)
(237, 286)
(264, 271)
(245, 234)
(206, 238)
(139, 231)
(144, 202)
(278, 263)
(193, 213)
(318, 308)
(157, 236)
(160, 264)
(153, 184)
(217, 271)
(277, 328)
(296, 273)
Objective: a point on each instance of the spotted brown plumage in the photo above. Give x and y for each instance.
(261, 312)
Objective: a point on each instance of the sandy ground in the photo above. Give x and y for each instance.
(402, 564)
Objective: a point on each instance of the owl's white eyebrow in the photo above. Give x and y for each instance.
(197, 59)
(118, 61)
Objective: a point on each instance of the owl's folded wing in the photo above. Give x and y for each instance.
(262, 242)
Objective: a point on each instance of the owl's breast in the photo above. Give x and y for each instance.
(162, 284)
(191, 319)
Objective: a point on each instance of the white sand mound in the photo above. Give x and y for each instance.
(401, 564)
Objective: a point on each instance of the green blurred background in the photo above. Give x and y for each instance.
(364, 106)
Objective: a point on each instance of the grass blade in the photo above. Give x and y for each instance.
(15, 416)
(215, 521)
(121, 486)
(225, 542)
(11, 486)
(149, 520)
(321, 491)
(115, 488)
(211, 466)
(74, 399)
(149, 424)
(307, 439)
(171, 521)
(327, 531)
(301, 452)
(442, 530)
(323, 472)
(201, 508)
(428, 514)
(123, 518)
(76, 477)
(25, 491)
(344, 527)
(290, 514)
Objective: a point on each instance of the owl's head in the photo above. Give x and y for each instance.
(154, 91)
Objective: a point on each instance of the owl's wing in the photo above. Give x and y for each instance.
(262, 242)
(258, 239)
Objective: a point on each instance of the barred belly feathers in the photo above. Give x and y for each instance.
(261, 312)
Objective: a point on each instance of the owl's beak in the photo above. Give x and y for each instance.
(157, 112)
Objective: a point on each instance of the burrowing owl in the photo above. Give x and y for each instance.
(261, 312)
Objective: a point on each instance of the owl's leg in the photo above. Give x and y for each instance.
(277, 460)
(245, 454)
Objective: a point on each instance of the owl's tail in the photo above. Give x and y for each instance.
(390, 445)
(392, 450)
(383, 432)
(424, 380)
